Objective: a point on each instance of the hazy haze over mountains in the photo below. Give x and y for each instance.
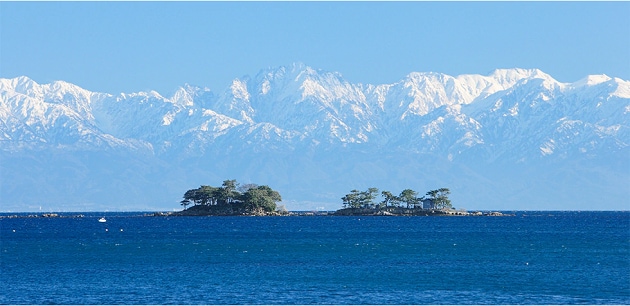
(512, 139)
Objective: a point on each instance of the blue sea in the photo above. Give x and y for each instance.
(529, 258)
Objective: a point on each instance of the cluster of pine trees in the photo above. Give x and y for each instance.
(438, 199)
(231, 194)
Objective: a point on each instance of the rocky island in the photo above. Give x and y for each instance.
(231, 199)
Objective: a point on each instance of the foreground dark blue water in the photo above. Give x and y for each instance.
(532, 258)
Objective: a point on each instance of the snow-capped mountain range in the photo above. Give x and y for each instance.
(512, 139)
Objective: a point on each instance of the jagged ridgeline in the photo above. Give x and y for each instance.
(232, 198)
(510, 139)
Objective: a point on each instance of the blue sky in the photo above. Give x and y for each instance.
(131, 46)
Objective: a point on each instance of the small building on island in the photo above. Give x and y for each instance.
(428, 204)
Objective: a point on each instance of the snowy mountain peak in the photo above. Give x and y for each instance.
(184, 95)
(21, 84)
(592, 80)
(239, 89)
(516, 74)
(603, 85)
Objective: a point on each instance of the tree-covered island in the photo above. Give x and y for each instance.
(406, 203)
(231, 199)
(434, 202)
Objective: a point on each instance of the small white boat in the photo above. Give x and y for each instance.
(102, 220)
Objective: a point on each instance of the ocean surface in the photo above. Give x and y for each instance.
(530, 258)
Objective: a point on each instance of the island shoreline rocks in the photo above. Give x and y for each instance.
(201, 211)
